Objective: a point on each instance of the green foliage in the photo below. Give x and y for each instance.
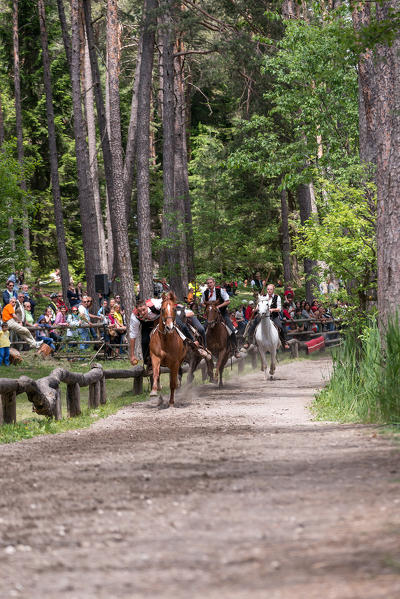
(233, 220)
(365, 382)
(344, 235)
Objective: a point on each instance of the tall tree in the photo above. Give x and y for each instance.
(305, 198)
(172, 231)
(92, 148)
(18, 121)
(388, 167)
(143, 150)
(182, 193)
(120, 232)
(55, 183)
(90, 236)
(287, 274)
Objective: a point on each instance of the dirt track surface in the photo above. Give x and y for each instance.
(234, 494)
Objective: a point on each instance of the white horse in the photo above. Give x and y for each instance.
(266, 336)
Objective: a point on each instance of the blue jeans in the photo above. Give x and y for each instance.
(5, 355)
(85, 336)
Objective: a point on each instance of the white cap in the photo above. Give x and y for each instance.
(251, 302)
(244, 301)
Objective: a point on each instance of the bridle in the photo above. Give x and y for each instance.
(217, 319)
(164, 320)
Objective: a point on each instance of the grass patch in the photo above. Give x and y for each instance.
(364, 386)
(29, 424)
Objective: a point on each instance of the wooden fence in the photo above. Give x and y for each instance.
(45, 393)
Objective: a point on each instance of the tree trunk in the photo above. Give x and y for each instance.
(11, 231)
(304, 197)
(55, 184)
(287, 274)
(181, 167)
(367, 90)
(120, 231)
(18, 121)
(388, 171)
(171, 216)
(90, 235)
(130, 151)
(93, 165)
(143, 152)
(181, 185)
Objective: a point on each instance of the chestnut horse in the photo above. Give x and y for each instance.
(217, 338)
(166, 346)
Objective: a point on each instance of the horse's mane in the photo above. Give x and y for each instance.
(170, 295)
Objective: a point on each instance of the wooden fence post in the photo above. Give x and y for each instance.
(58, 405)
(9, 404)
(94, 395)
(73, 400)
(138, 385)
(103, 391)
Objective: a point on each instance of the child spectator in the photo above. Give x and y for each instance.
(5, 345)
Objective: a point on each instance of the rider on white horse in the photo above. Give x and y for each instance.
(275, 306)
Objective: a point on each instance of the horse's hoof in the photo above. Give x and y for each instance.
(155, 403)
(271, 377)
(153, 393)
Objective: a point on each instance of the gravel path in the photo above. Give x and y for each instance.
(235, 493)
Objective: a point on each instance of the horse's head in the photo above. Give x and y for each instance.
(263, 306)
(212, 314)
(168, 311)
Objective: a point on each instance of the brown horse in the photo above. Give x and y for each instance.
(217, 339)
(166, 346)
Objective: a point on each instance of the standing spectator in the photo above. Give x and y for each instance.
(9, 292)
(21, 278)
(28, 297)
(79, 291)
(243, 309)
(15, 325)
(60, 301)
(72, 295)
(4, 345)
(249, 310)
(74, 323)
(258, 284)
(103, 311)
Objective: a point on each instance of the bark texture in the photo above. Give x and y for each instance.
(171, 215)
(93, 164)
(304, 198)
(55, 184)
(287, 273)
(367, 90)
(90, 235)
(143, 151)
(388, 171)
(19, 131)
(120, 230)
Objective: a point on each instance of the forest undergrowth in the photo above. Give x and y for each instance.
(364, 386)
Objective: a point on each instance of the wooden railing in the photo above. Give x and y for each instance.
(45, 393)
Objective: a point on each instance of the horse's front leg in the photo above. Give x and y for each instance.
(222, 360)
(173, 383)
(155, 362)
(273, 363)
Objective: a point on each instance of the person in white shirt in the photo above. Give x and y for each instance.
(218, 294)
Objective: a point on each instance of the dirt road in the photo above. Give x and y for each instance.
(234, 494)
